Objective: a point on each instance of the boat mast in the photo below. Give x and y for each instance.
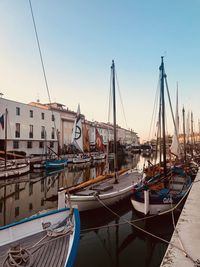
(192, 135)
(184, 141)
(5, 142)
(163, 113)
(114, 120)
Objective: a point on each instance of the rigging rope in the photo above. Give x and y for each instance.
(120, 96)
(153, 117)
(40, 51)
(42, 63)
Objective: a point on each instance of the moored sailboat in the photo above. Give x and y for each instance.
(105, 189)
(168, 183)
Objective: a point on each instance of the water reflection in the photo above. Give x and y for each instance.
(28, 194)
(108, 241)
(120, 245)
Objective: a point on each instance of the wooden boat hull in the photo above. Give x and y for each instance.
(33, 226)
(55, 164)
(87, 199)
(91, 202)
(80, 160)
(153, 208)
(14, 171)
(155, 199)
(99, 157)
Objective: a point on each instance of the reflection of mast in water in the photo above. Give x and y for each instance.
(93, 173)
(117, 242)
(4, 211)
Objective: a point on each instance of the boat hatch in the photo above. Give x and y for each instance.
(102, 187)
(86, 192)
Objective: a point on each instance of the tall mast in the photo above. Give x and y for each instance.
(5, 142)
(114, 120)
(184, 141)
(163, 113)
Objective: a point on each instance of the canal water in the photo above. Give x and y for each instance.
(107, 240)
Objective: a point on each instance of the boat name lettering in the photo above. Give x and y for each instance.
(167, 200)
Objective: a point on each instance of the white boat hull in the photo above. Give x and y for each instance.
(15, 171)
(80, 160)
(153, 208)
(32, 226)
(91, 202)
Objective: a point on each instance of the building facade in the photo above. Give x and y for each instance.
(37, 129)
(30, 129)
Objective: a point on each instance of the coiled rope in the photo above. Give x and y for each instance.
(18, 257)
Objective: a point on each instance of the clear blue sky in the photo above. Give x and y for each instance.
(79, 39)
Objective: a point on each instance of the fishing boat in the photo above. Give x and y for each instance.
(14, 169)
(49, 238)
(55, 163)
(106, 189)
(10, 168)
(168, 183)
(98, 156)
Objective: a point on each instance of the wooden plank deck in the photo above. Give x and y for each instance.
(52, 253)
(124, 181)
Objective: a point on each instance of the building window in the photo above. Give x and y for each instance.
(31, 113)
(29, 144)
(17, 111)
(51, 144)
(42, 132)
(52, 117)
(52, 133)
(42, 115)
(17, 130)
(16, 211)
(30, 131)
(41, 144)
(15, 144)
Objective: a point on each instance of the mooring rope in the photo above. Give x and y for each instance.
(196, 263)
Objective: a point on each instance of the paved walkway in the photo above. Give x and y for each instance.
(188, 228)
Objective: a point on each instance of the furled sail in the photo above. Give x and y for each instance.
(77, 134)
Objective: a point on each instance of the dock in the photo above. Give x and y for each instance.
(187, 233)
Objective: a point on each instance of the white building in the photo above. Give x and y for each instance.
(35, 128)
(30, 129)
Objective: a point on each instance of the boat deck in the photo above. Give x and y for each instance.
(108, 186)
(51, 251)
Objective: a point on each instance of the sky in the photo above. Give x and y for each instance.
(80, 38)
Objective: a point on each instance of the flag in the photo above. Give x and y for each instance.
(86, 141)
(2, 121)
(99, 141)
